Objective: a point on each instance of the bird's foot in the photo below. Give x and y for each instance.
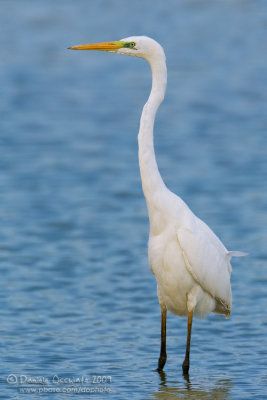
(161, 362)
(186, 367)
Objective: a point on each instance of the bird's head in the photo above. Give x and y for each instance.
(137, 46)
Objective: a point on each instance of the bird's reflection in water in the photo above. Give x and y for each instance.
(186, 388)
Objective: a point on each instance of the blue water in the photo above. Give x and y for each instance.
(77, 297)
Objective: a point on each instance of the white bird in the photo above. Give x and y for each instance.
(190, 263)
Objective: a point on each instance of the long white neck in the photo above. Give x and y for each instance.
(151, 179)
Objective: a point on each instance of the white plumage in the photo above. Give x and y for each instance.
(190, 263)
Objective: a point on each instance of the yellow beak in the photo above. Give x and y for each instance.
(105, 46)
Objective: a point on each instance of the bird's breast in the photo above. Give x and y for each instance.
(167, 264)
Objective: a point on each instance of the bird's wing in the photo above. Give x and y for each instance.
(208, 261)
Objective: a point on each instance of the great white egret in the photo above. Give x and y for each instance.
(190, 263)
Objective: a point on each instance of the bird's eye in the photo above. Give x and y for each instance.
(130, 45)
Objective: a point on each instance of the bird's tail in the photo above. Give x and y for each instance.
(236, 254)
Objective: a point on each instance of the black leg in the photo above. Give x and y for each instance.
(186, 362)
(163, 353)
